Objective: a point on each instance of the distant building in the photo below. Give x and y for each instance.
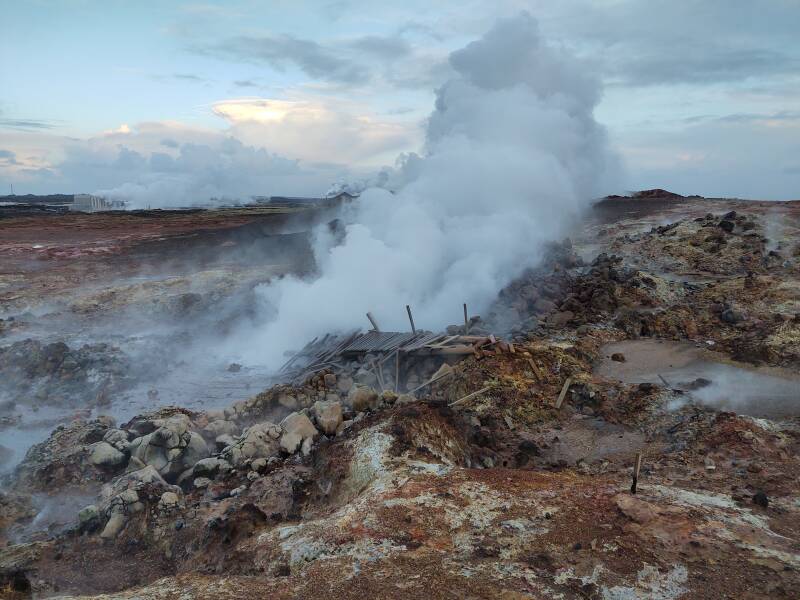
(89, 203)
(326, 201)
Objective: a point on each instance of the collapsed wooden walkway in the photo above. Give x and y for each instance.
(336, 351)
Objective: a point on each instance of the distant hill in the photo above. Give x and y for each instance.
(34, 199)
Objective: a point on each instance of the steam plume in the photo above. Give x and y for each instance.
(512, 154)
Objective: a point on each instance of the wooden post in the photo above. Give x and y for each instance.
(372, 320)
(466, 320)
(397, 372)
(563, 393)
(411, 319)
(636, 467)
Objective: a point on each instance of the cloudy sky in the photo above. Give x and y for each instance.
(228, 99)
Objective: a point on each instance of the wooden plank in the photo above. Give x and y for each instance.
(440, 343)
(453, 350)
(563, 393)
(536, 371)
(466, 320)
(469, 396)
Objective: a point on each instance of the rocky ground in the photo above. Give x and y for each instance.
(667, 326)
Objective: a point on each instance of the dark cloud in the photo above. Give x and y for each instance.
(284, 51)
(694, 42)
(357, 61)
(784, 115)
(187, 77)
(385, 47)
(701, 64)
(169, 143)
(26, 124)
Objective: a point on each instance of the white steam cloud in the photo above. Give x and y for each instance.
(512, 154)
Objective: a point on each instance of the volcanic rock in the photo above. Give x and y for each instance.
(105, 455)
(259, 441)
(297, 428)
(362, 398)
(328, 416)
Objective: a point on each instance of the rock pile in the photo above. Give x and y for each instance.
(39, 373)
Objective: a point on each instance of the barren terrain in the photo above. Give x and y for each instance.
(142, 464)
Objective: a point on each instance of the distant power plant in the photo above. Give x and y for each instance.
(89, 203)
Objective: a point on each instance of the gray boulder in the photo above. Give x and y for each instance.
(171, 448)
(297, 428)
(107, 456)
(328, 415)
(362, 398)
(258, 441)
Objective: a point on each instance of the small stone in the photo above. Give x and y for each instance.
(404, 399)
(259, 465)
(105, 455)
(290, 442)
(288, 401)
(223, 441)
(209, 467)
(761, 499)
(344, 384)
(559, 319)
(344, 426)
(330, 380)
(113, 526)
(168, 501)
(618, 357)
(201, 482)
(88, 515)
(731, 316)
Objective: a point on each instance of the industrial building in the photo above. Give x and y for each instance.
(90, 203)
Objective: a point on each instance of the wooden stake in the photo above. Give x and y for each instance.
(372, 320)
(466, 320)
(411, 319)
(664, 381)
(536, 371)
(397, 371)
(563, 393)
(636, 467)
(470, 396)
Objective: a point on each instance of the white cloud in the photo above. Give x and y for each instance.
(310, 130)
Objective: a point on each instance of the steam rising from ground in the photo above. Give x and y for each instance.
(512, 155)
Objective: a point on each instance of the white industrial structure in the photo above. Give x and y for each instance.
(89, 203)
